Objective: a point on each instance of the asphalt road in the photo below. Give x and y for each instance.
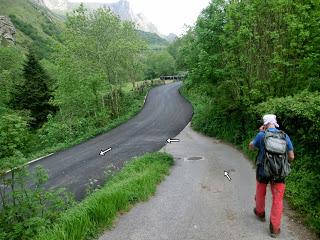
(197, 202)
(164, 115)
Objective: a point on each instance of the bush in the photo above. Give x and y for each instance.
(26, 210)
(135, 182)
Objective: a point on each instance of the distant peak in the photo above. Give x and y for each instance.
(124, 3)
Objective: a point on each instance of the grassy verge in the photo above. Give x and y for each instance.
(136, 182)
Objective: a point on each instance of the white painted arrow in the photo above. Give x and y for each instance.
(102, 153)
(172, 140)
(226, 174)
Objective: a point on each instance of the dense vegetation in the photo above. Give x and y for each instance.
(248, 58)
(153, 40)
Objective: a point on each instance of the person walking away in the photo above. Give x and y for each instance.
(275, 153)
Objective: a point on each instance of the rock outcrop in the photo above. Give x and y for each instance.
(171, 37)
(7, 29)
(144, 24)
(122, 8)
(54, 5)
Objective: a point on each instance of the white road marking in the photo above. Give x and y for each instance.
(28, 163)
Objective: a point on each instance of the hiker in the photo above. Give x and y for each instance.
(275, 153)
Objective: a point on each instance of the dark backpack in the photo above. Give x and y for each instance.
(276, 164)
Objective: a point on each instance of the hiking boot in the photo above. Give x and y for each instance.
(274, 233)
(261, 217)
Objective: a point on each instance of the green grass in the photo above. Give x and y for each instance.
(136, 182)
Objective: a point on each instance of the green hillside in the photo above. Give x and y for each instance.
(153, 40)
(36, 26)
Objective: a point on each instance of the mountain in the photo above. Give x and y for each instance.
(171, 37)
(153, 40)
(54, 5)
(35, 26)
(122, 8)
(7, 30)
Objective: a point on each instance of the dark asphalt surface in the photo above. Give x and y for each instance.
(164, 115)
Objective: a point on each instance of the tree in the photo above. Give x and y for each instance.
(159, 63)
(98, 56)
(33, 94)
(242, 55)
(11, 65)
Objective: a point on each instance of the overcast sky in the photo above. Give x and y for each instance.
(168, 15)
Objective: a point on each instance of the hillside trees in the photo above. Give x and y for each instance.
(98, 55)
(33, 93)
(11, 65)
(247, 58)
(175, 49)
(40, 45)
(159, 63)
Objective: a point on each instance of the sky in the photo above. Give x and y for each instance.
(170, 16)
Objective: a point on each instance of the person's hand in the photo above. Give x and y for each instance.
(262, 128)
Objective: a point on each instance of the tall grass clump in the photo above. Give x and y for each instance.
(136, 182)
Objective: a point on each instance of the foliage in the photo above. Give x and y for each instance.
(153, 40)
(248, 58)
(40, 45)
(33, 94)
(175, 49)
(158, 64)
(13, 139)
(26, 210)
(135, 182)
(97, 57)
(51, 29)
(11, 64)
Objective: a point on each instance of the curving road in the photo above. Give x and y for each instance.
(164, 115)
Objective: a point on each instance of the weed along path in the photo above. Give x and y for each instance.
(164, 115)
(197, 201)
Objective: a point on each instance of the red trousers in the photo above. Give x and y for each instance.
(277, 190)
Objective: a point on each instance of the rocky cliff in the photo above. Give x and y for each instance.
(122, 8)
(54, 5)
(7, 29)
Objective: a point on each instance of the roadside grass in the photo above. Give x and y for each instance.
(136, 182)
